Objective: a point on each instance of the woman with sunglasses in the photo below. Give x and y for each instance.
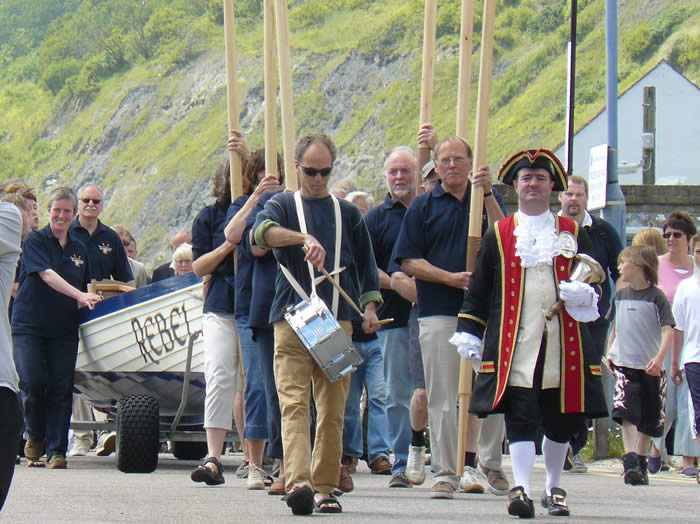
(675, 266)
(45, 328)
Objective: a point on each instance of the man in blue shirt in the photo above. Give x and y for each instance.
(432, 248)
(606, 248)
(108, 260)
(279, 227)
(384, 224)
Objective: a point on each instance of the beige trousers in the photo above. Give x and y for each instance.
(295, 372)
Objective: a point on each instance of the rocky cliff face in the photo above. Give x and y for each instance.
(154, 143)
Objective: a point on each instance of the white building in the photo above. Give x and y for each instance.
(677, 129)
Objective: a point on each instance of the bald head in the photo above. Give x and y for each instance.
(180, 238)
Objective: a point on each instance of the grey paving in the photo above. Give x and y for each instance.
(92, 490)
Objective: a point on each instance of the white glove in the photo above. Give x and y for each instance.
(580, 300)
(468, 345)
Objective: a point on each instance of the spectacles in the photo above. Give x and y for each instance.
(675, 234)
(95, 201)
(458, 160)
(310, 171)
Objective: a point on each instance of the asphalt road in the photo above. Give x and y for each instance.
(92, 490)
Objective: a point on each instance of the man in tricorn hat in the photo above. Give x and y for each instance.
(535, 369)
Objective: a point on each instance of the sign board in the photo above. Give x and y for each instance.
(597, 177)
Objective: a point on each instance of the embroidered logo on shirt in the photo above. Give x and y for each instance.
(77, 260)
(105, 248)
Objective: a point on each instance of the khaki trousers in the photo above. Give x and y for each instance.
(295, 372)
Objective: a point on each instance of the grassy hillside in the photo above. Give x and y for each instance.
(131, 92)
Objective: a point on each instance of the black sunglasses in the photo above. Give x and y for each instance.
(95, 201)
(310, 171)
(675, 234)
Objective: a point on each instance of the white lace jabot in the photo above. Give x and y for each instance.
(537, 241)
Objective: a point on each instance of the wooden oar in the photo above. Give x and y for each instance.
(476, 208)
(232, 96)
(426, 92)
(270, 80)
(464, 80)
(286, 93)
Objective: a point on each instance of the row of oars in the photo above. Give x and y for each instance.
(276, 31)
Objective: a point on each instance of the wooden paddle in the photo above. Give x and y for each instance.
(476, 208)
(426, 91)
(232, 96)
(286, 92)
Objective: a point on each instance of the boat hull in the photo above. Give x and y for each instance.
(137, 342)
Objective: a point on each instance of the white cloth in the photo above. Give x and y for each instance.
(468, 345)
(537, 241)
(580, 300)
(222, 358)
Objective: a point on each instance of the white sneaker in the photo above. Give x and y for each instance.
(473, 481)
(80, 448)
(415, 465)
(256, 477)
(106, 444)
(579, 465)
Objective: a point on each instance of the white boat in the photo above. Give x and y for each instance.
(136, 343)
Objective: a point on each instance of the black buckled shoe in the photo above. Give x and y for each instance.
(519, 504)
(555, 503)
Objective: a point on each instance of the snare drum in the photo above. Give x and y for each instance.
(322, 335)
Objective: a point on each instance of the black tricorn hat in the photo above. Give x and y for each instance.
(535, 158)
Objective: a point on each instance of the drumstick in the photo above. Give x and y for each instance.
(344, 294)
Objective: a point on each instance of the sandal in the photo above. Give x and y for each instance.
(206, 475)
(301, 500)
(329, 504)
(35, 464)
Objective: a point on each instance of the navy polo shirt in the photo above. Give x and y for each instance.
(38, 309)
(207, 235)
(436, 228)
(264, 275)
(107, 255)
(359, 279)
(244, 270)
(384, 224)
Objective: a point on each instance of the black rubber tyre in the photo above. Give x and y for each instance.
(137, 434)
(189, 450)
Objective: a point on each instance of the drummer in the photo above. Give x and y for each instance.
(278, 227)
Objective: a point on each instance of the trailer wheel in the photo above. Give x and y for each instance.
(137, 434)
(189, 450)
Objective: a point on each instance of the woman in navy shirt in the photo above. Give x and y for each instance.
(45, 328)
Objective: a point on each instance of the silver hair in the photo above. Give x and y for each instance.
(401, 149)
(90, 184)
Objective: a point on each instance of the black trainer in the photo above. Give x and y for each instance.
(632, 469)
(555, 503)
(519, 504)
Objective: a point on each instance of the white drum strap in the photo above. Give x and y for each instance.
(336, 260)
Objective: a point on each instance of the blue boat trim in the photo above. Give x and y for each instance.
(137, 296)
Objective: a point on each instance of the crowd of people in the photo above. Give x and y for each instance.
(538, 367)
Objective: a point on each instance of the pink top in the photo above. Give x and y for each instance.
(670, 277)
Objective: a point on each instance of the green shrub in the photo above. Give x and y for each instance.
(685, 53)
(54, 75)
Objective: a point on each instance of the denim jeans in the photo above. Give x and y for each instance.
(370, 374)
(265, 339)
(46, 367)
(255, 403)
(399, 388)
